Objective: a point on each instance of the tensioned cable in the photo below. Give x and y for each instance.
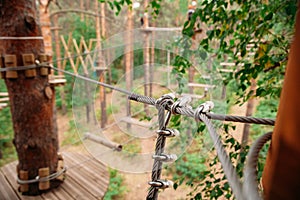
(188, 111)
(151, 101)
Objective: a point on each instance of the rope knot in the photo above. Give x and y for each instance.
(202, 109)
(180, 103)
(163, 101)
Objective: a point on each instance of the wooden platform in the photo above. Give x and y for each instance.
(86, 179)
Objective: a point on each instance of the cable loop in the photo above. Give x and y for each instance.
(161, 184)
(202, 109)
(165, 157)
(180, 103)
(168, 132)
(167, 99)
(42, 179)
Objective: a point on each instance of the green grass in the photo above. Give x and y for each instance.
(115, 189)
(8, 152)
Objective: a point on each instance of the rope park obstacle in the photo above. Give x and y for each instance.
(166, 103)
(173, 107)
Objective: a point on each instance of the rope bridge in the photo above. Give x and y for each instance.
(166, 106)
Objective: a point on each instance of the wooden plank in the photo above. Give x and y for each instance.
(82, 158)
(231, 64)
(200, 85)
(49, 195)
(93, 165)
(11, 175)
(79, 58)
(85, 183)
(61, 193)
(226, 70)
(3, 94)
(6, 192)
(75, 190)
(87, 50)
(4, 99)
(162, 29)
(194, 96)
(58, 81)
(68, 53)
(92, 170)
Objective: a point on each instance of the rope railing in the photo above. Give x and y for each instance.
(181, 107)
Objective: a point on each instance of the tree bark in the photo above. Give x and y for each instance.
(281, 173)
(146, 53)
(249, 113)
(35, 130)
(102, 72)
(129, 59)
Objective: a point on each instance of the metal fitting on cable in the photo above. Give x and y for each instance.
(168, 132)
(203, 108)
(181, 102)
(167, 98)
(161, 184)
(165, 157)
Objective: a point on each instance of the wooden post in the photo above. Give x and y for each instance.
(35, 133)
(81, 8)
(58, 63)
(151, 69)
(129, 59)
(45, 27)
(146, 53)
(101, 72)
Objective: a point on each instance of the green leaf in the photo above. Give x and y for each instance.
(269, 17)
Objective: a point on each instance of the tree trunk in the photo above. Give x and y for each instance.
(249, 112)
(81, 8)
(35, 130)
(129, 59)
(58, 63)
(281, 174)
(101, 72)
(146, 56)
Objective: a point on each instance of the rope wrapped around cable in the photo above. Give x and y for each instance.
(250, 187)
(156, 183)
(229, 170)
(200, 114)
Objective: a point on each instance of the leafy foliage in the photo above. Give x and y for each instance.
(118, 4)
(115, 188)
(231, 26)
(7, 152)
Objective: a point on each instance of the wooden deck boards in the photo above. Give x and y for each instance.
(86, 179)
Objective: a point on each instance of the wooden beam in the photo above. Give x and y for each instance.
(3, 94)
(200, 85)
(4, 99)
(161, 29)
(226, 70)
(103, 141)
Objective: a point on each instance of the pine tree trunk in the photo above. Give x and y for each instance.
(249, 112)
(35, 132)
(129, 60)
(146, 53)
(102, 72)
